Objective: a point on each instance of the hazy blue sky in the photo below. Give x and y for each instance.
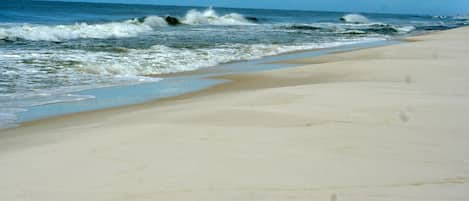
(448, 7)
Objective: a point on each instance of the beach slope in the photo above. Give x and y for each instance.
(387, 123)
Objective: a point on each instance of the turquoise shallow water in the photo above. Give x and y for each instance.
(55, 53)
(109, 97)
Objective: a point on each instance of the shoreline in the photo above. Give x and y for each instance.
(384, 123)
(206, 77)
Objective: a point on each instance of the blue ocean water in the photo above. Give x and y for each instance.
(49, 51)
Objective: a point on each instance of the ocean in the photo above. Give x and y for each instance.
(52, 51)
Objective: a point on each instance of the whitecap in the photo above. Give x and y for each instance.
(210, 17)
(355, 18)
(128, 28)
(123, 29)
(405, 29)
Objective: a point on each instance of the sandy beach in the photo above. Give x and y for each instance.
(378, 124)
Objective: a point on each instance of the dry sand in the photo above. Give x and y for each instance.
(382, 124)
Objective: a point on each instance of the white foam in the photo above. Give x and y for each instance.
(405, 29)
(440, 17)
(129, 28)
(154, 21)
(355, 18)
(210, 17)
(3, 34)
(160, 59)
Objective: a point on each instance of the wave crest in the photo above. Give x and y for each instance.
(210, 17)
(128, 28)
(355, 18)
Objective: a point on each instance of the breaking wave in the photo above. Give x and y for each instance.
(210, 17)
(129, 28)
(354, 18)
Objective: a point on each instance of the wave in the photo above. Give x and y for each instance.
(461, 20)
(160, 59)
(388, 29)
(210, 17)
(353, 29)
(441, 17)
(461, 17)
(354, 18)
(434, 27)
(128, 28)
(304, 27)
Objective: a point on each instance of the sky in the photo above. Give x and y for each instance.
(430, 7)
